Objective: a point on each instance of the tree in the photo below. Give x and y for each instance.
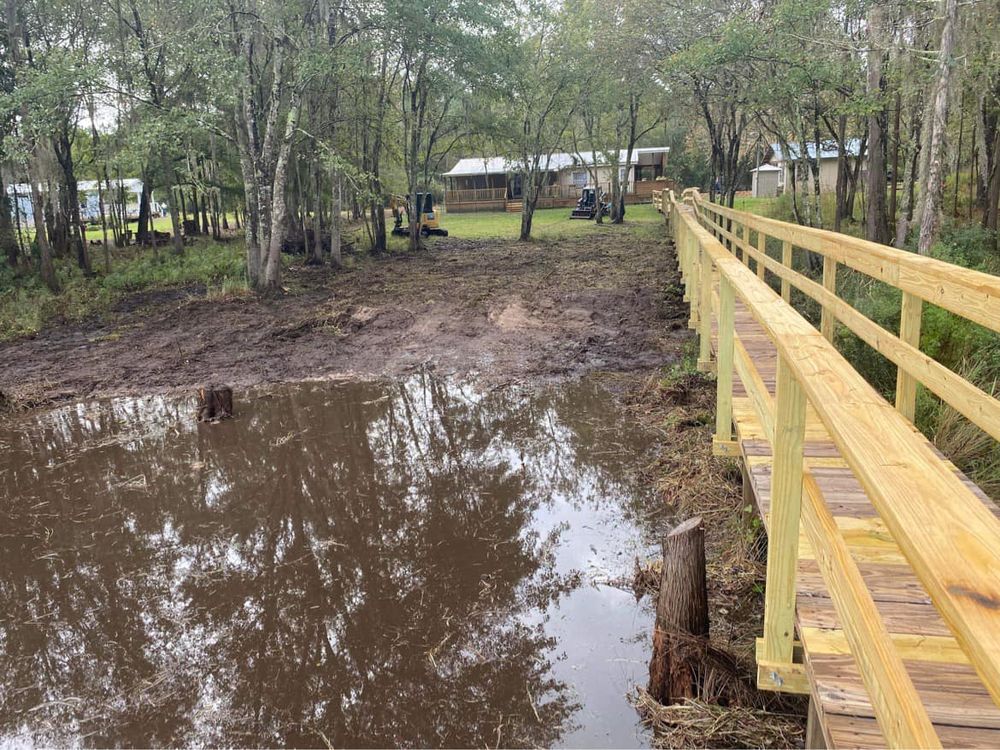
(31, 147)
(541, 103)
(932, 187)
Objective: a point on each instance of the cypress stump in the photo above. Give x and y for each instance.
(215, 402)
(680, 637)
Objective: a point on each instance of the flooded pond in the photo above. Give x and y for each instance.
(420, 562)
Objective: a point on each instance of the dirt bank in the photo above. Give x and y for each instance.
(506, 310)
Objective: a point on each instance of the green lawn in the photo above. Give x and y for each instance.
(549, 224)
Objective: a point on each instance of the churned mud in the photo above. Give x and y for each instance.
(503, 310)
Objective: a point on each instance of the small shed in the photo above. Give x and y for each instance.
(765, 181)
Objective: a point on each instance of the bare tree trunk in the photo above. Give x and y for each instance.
(175, 219)
(336, 208)
(841, 189)
(279, 208)
(46, 268)
(681, 630)
(876, 221)
(8, 240)
(933, 188)
(909, 180)
(317, 225)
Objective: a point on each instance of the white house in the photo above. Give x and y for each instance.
(491, 182)
(127, 191)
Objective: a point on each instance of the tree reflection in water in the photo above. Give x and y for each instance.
(352, 564)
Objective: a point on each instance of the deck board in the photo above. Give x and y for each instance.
(956, 700)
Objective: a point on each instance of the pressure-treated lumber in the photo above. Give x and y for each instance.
(972, 294)
(947, 535)
(786, 260)
(762, 248)
(724, 362)
(969, 400)
(911, 309)
(783, 530)
(897, 706)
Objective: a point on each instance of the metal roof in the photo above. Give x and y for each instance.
(131, 185)
(480, 165)
(827, 149)
(766, 168)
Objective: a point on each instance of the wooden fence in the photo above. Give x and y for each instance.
(948, 536)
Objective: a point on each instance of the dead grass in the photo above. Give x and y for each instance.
(690, 482)
(14, 399)
(701, 724)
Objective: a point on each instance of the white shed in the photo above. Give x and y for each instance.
(766, 181)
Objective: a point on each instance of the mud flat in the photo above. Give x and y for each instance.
(505, 310)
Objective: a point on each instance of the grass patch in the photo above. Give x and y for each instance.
(549, 224)
(26, 305)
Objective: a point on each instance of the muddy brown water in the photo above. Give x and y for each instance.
(415, 562)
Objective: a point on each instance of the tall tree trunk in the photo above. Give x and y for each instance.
(933, 188)
(840, 200)
(910, 171)
(46, 268)
(317, 201)
(145, 222)
(876, 221)
(279, 207)
(175, 218)
(336, 193)
(8, 240)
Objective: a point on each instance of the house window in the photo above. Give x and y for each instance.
(579, 179)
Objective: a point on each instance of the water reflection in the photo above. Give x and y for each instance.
(364, 564)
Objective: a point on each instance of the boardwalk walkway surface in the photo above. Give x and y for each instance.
(963, 713)
(885, 654)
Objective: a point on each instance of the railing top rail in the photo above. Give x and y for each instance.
(972, 294)
(949, 537)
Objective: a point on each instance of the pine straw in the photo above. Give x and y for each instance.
(699, 724)
(690, 481)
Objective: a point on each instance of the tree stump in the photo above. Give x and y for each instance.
(215, 402)
(680, 637)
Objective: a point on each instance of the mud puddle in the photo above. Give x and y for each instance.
(416, 562)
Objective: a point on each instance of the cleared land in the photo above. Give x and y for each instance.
(592, 300)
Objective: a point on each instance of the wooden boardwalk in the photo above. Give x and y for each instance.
(957, 702)
(882, 599)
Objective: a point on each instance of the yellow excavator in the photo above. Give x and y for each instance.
(426, 218)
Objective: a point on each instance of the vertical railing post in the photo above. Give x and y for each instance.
(785, 511)
(705, 314)
(909, 331)
(762, 248)
(827, 321)
(726, 323)
(694, 286)
(786, 261)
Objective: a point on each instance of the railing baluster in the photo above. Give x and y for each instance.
(827, 321)
(705, 315)
(726, 322)
(762, 247)
(783, 529)
(786, 260)
(694, 286)
(909, 331)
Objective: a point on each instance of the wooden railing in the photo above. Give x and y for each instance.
(948, 536)
(475, 195)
